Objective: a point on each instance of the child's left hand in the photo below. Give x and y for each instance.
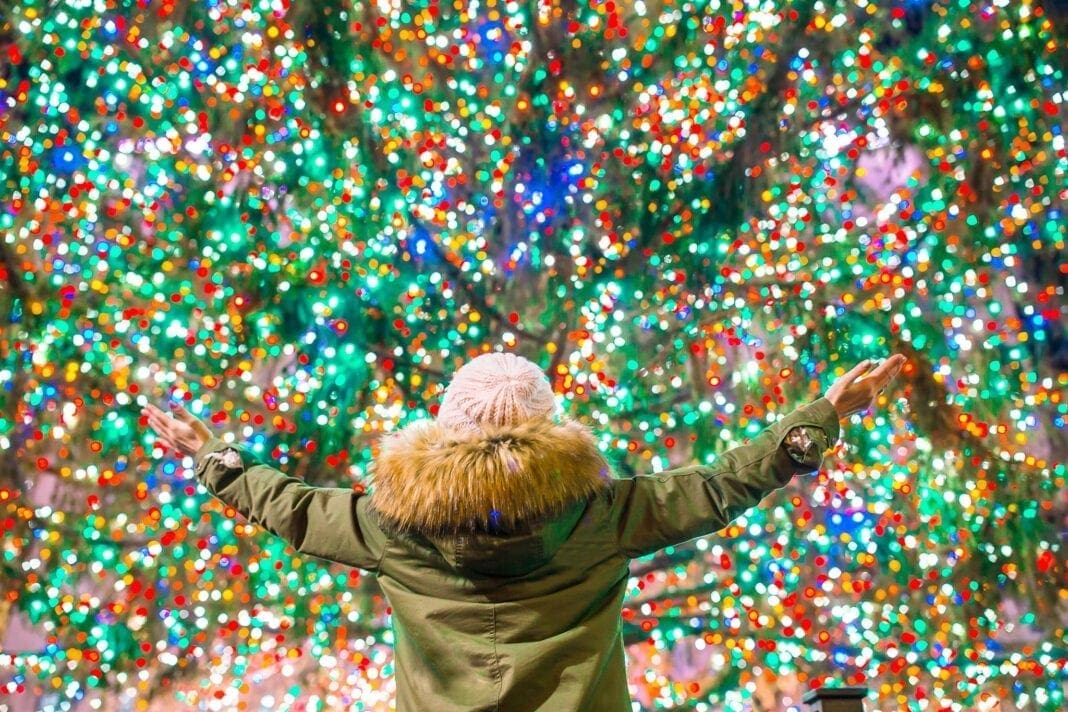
(181, 431)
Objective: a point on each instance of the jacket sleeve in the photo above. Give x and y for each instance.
(329, 522)
(650, 512)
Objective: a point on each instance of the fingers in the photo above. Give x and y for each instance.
(180, 413)
(855, 372)
(164, 426)
(161, 426)
(178, 431)
(149, 408)
(886, 371)
(177, 414)
(152, 413)
(190, 420)
(160, 423)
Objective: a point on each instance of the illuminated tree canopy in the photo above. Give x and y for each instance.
(300, 219)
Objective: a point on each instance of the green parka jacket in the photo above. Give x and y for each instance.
(505, 555)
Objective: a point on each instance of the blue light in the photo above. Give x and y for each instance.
(66, 159)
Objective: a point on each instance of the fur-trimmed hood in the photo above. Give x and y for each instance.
(434, 480)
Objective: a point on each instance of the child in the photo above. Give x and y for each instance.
(500, 537)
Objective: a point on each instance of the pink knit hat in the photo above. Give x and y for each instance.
(496, 389)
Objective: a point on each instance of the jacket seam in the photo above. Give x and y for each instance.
(496, 658)
(385, 547)
(382, 556)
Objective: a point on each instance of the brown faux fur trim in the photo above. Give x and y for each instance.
(433, 479)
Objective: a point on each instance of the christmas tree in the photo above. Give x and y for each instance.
(299, 220)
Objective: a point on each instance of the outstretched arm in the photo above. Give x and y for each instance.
(650, 512)
(329, 522)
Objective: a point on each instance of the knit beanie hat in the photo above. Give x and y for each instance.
(496, 389)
